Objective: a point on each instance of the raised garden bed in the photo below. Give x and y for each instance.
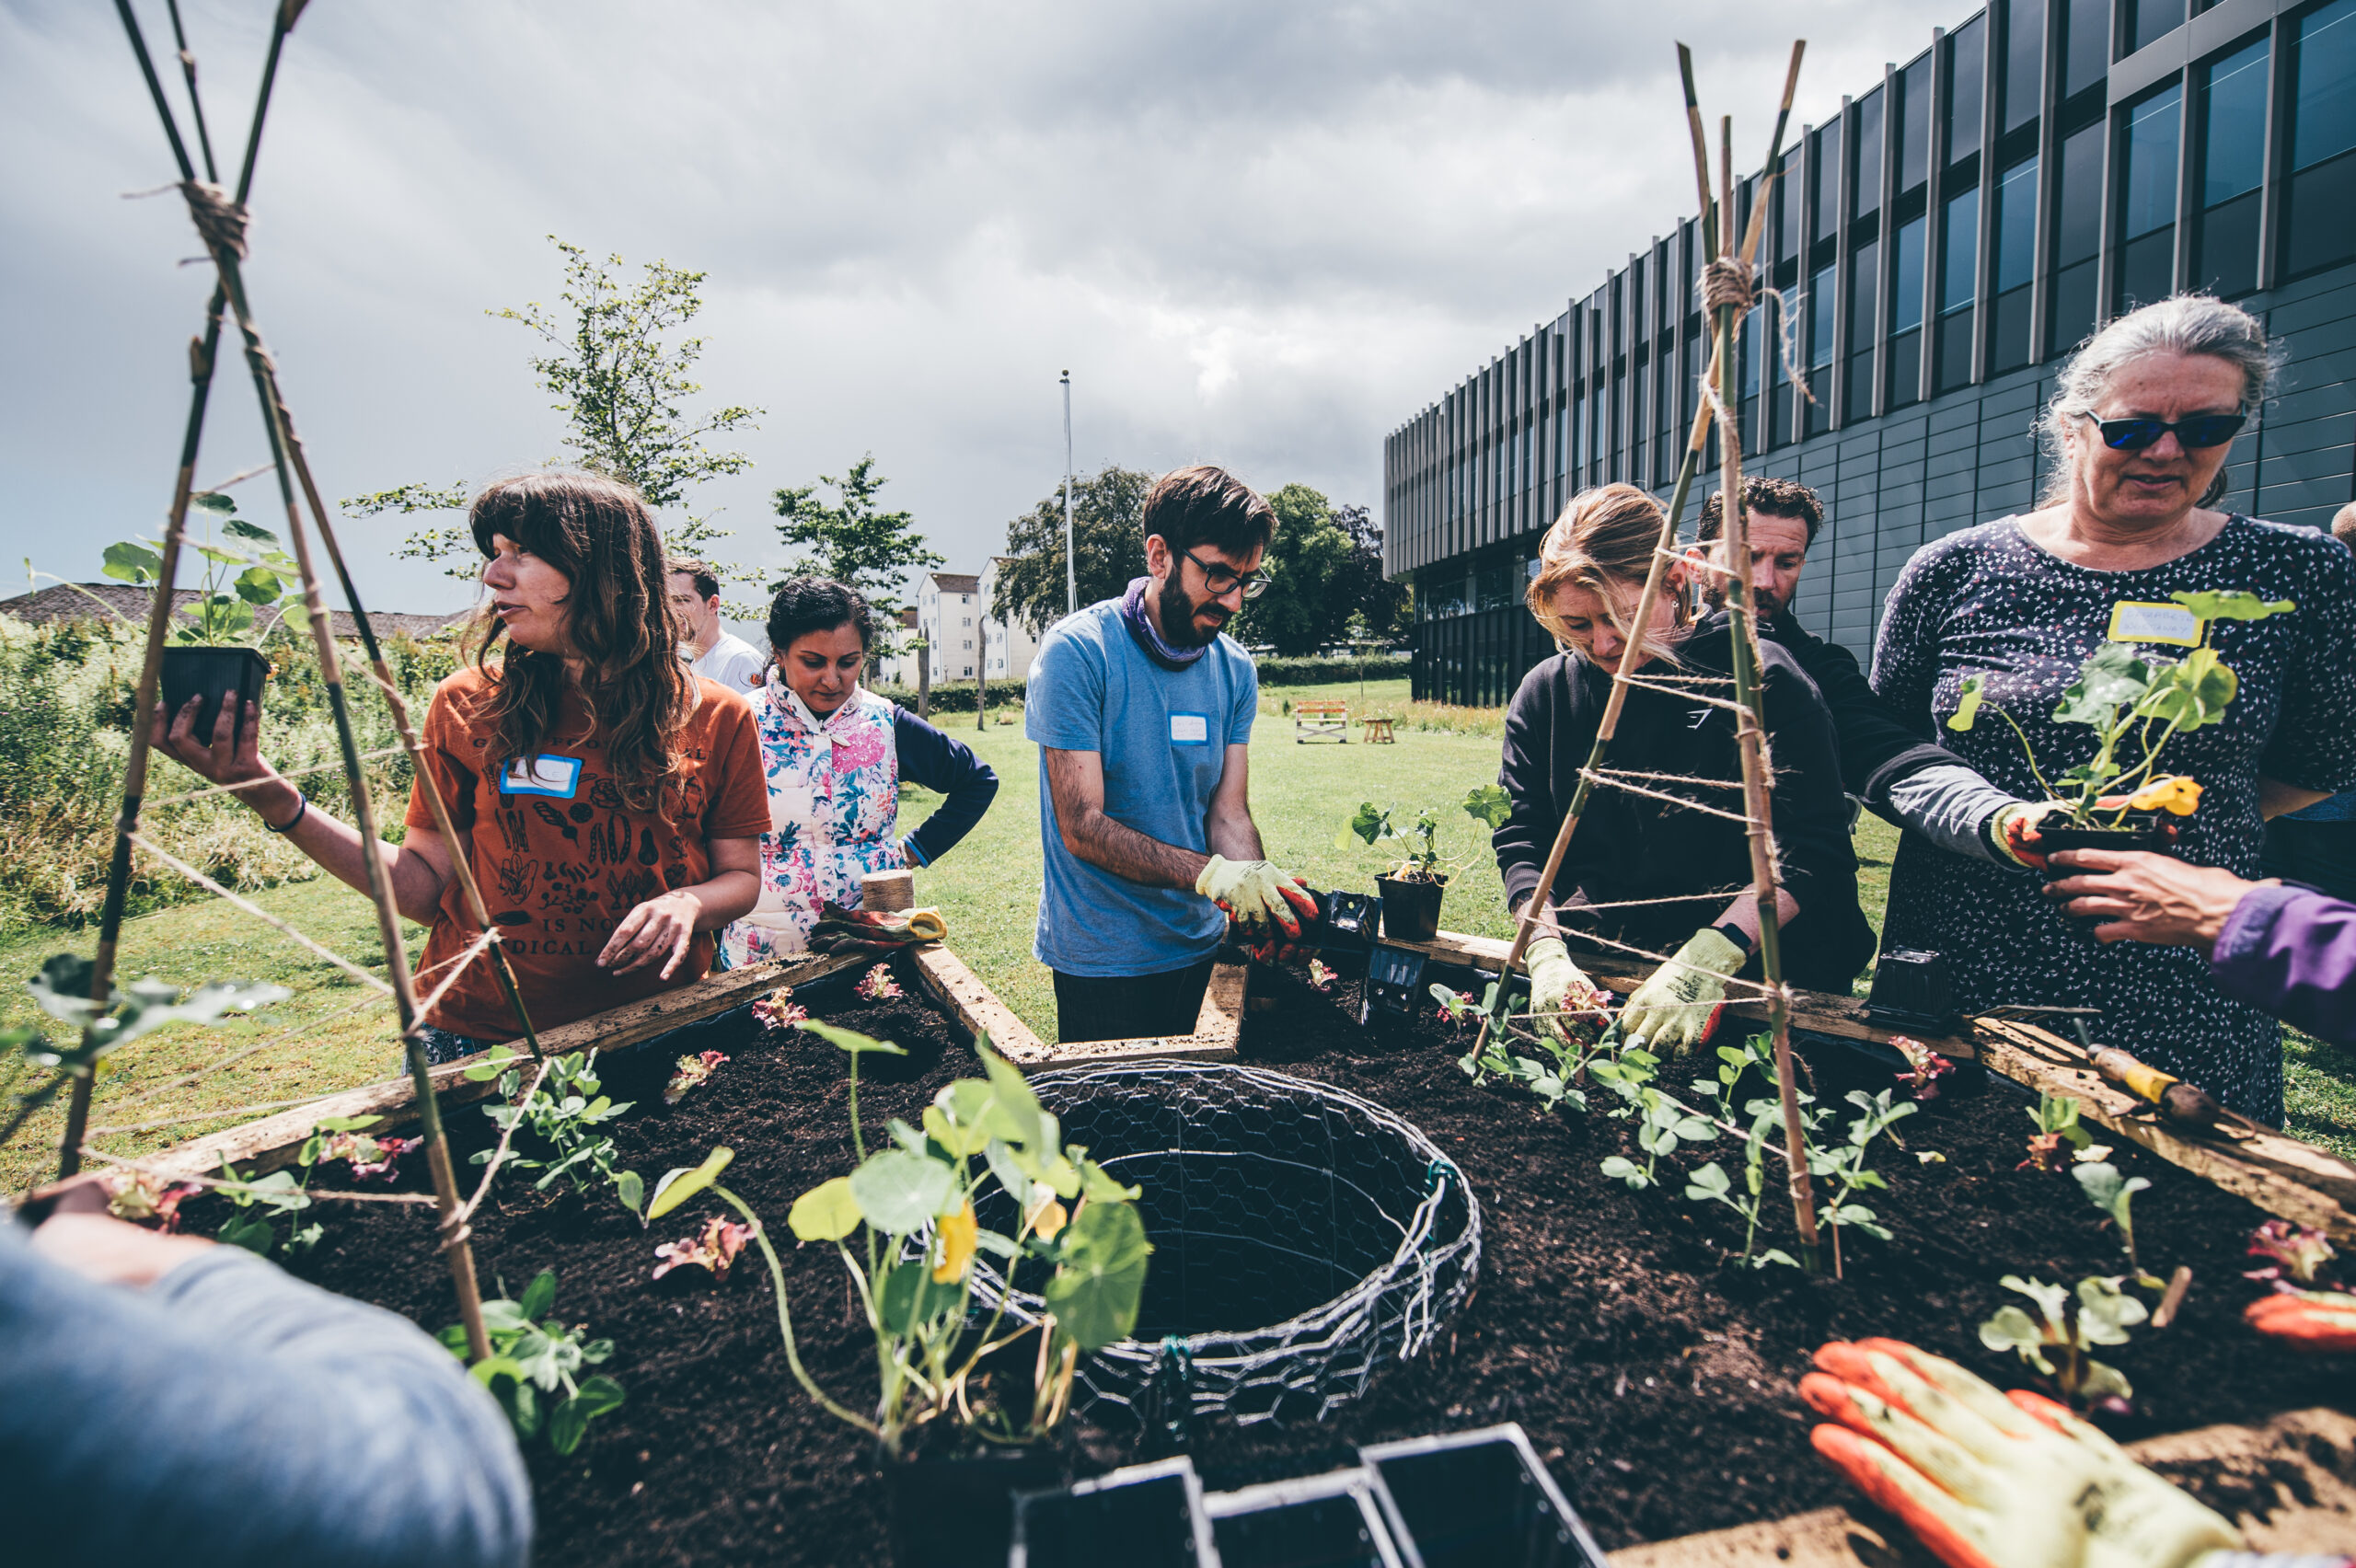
(1656, 1381)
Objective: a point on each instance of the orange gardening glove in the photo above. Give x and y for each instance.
(2321, 1322)
(1985, 1480)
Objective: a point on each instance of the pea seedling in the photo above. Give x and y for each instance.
(534, 1364)
(561, 1111)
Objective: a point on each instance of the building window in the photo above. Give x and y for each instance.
(1958, 280)
(1826, 177)
(1865, 194)
(1787, 198)
(2024, 64)
(2319, 209)
(2147, 19)
(1908, 258)
(1753, 349)
(2233, 165)
(2077, 237)
(1864, 293)
(2147, 204)
(1966, 78)
(1915, 125)
(1819, 349)
(2085, 46)
(2016, 259)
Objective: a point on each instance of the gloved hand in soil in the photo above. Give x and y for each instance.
(1257, 896)
(1676, 1008)
(1990, 1480)
(874, 931)
(1557, 985)
(2322, 1322)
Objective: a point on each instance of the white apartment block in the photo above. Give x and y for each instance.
(951, 615)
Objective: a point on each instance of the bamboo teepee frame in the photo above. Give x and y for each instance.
(1714, 409)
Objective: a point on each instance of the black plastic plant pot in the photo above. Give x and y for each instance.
(1144, 1516)
(1478, 1499)
(2140, 830)
(1411, 909)
(959, 1512)
(1321, 1521)
(211, 674)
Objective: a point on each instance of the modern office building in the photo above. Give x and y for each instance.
(1943, 245)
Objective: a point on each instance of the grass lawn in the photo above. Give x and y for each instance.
(989, 888)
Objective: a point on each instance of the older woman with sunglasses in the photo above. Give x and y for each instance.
(2137, 434)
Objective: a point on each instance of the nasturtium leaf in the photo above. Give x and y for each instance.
(897, 1191)
(63, 987)
(221, 555)
(911, 1297)
(1094, 1294)
(1016, 1103)
(1003, 1165)
(244, 530)
(1097, 1185)
(540, 1296)
(826, 1213)
(259, 585)
(1370, 823)
(1489, 804)
(2118, 673)
(958, 1139)
(2231, 605)
(677, 1186)
(215, 501)
(850, 1040)
(1967, 710)
(127, 562)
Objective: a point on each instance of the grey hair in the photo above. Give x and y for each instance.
(2181, 324)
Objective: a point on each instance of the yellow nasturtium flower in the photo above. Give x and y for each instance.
(1047, 1217)
(2177, 795)
(954, 1245)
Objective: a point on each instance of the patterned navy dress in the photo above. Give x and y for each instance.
(1987, 601)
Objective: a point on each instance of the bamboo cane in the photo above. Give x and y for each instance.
(232, 285)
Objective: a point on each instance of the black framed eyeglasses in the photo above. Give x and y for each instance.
(1222, 582)
(2193, 434)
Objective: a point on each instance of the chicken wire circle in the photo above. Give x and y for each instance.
(1303, 1236)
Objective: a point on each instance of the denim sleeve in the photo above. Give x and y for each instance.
(938, 762)
(233, 1417)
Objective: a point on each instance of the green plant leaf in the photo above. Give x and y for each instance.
(216, 501)
(259, 585)
(1097, 1185)
(1094, 1294)
(244, 530)
(912, 1298)
(850, 1040)
(599, 1395)
(826, 1212)
(1619, 1168)
(1967, 710)
(568, 1423)
(250, 1231)
(630, 1187)
(2011, 1329)
(1370, 823)
(2117, 675)
(1488, 804)
(538, 1295)
(2107, 1312)
(2049, 1299)
(897, 1192)
(129, 562)
(2104, 1381)
(1710, 1181)
(677, 1186)
(2231, 603)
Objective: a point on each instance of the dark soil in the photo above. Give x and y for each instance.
(1655, 1379)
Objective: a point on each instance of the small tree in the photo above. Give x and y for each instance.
(1301, 611)
(1383, 608)
(854, 542)
(1108, 536)
(621, 385)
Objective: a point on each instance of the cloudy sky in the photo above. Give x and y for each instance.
(1259, 233)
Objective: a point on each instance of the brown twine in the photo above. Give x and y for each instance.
(1680, 692)
(1672, 778)
(266, 918)
(219, 218)
(1568, 934)
(1728, 283)
(1593, 777)
(336, 766)
(499, 1155)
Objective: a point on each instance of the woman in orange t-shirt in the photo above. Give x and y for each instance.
(608, 803)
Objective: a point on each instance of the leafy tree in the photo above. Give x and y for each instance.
(1108, 541)
(1299, 613)
(854, 542)
(1377, 608)
(621, 384)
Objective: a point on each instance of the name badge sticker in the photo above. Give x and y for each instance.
(2133, 622)
(559, 776)
(1190, 729)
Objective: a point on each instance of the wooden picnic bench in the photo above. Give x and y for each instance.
(1320, 718)
(1377, 732)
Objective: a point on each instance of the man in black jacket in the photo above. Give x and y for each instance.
(1897, 772)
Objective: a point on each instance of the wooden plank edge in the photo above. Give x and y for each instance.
(266, 1145)
(1820, 1013)
(974, 1005)
(1216, 1027)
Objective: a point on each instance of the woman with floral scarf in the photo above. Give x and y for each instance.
(835, 754)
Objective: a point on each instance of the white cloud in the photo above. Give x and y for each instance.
(1257, 235)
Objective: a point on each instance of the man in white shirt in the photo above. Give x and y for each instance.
(710, 652)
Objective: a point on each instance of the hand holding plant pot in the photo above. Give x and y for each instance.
(2136, 701)
(214, 656)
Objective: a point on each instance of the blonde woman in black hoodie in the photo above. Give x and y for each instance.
(1648, 874)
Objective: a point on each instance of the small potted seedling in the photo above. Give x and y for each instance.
(213, 656)
(1413, 890)
(2135, 700)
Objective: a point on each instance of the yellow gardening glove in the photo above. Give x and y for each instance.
(1988, 1482)
(1555, 982)
(1255, 893)
(1676, 1010)
(2013, 830)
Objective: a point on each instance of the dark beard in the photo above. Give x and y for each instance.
(1178, 613)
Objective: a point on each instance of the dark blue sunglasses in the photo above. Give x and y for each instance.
(2199, 431)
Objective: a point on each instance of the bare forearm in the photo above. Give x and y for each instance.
(729, 896)
(1233, 835)
(1131, 855)
(1743, 913)
(338, 849)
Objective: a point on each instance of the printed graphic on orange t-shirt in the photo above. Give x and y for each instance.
(562, 859)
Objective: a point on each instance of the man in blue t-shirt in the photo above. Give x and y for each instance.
(1142, 709)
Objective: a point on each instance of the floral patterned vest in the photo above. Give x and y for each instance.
(834, 805)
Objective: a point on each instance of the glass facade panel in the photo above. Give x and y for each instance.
(1864, 294)
(2016, 263)
(1959, 252)
(1915, 125)
(1908, 256)
(1826, 181)
(1967, 80)
(1865, 192)
(1819, 349)
(2085, 45)
(2233, 163)
(2077, 238)
(2024, 61)
(1787, 198)
(2319, 204)
(2146, 264)
(2147, 19)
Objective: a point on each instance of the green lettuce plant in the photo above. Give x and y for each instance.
(2059, 1340)
(905, 1223)
(2136, 701)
